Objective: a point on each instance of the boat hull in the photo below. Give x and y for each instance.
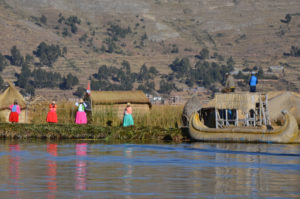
(288, 133)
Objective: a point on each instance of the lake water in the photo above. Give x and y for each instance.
(84, 169)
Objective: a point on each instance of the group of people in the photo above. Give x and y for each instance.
(81, 117)
(230, 84)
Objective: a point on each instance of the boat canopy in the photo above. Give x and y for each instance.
(241, 101)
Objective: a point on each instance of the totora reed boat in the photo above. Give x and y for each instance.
(241, 117)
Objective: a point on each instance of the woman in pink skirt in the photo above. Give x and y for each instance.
(81, 115)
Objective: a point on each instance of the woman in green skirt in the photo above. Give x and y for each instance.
(128, 119)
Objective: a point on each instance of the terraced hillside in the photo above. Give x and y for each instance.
(253, 32)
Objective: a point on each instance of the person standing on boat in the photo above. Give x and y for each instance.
(81, 115)
(253, 82)
(128, 119)
(15, 112)
(229, 84)
(52, 116)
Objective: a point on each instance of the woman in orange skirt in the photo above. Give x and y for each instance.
(52, 116)
(15, 112)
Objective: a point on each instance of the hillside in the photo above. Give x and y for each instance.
(252, 32)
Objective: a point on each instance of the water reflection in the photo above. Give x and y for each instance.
(14, 169)
(128, 172)
(251, 170)
(81, 166)
(197, 170)
(52, 185)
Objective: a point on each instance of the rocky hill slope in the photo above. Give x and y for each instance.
(253, 32)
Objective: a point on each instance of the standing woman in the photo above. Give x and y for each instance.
(52, 116)
(128, 119)
(15, 112)
(81, 115)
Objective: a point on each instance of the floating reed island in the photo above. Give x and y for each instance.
(89, 131)
(161, 122)
(157, 122)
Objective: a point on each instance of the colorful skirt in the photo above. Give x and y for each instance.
(128, 120)
(51, 117)
(81, 118)
(14, 117)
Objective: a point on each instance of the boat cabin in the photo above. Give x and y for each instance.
(236, 109)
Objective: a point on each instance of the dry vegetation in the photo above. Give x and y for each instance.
(164, 116)
(249, 31)
(160, 124)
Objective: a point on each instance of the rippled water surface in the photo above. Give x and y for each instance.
(100, 170)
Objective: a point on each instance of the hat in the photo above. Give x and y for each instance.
(128, 104)
(252, 72)
(81, 100)
(226, 73)
(53, 102)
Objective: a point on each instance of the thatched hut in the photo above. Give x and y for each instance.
(6, 99)
(116, 101)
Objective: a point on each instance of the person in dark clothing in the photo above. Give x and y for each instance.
(253, 82)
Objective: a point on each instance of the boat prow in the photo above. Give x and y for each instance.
(287, 133)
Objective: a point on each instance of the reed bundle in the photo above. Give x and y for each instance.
(118, 97)
(240, 101)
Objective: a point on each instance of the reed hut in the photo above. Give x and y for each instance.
(116, 101)
(249, 109)
(6, 99)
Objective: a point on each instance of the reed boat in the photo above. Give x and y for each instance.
(241, 117)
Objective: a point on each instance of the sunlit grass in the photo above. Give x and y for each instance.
(165, 116)
(66, 112)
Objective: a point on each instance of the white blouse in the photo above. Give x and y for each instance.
(81, 106)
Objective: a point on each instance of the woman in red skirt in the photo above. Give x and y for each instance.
(52, 116)
(15, 112)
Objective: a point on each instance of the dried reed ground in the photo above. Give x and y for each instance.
(164, 116)
(161, 123)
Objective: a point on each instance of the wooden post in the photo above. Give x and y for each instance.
(26, 112)
(237, 118)
(226, 117)
(264, 118)
(260, 110)
(216, 116)
(73, 112)
(247, 119)
(267, 111)
(91, 104)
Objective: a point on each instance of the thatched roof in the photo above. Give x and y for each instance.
(242, 101)
(9, 95)
(210, 104)
(119, 97)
